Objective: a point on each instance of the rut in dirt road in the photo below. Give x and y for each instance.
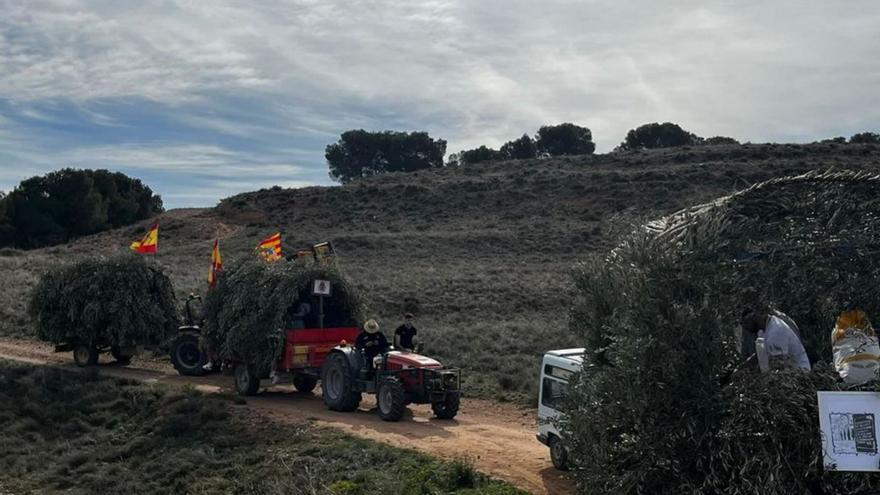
(498, 439)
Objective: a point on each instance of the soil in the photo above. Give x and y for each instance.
(499, 439)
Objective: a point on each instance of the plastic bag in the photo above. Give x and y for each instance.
(855, 346)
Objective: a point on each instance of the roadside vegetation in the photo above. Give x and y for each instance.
(78, 433)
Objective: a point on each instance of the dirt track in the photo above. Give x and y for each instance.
(499, 439)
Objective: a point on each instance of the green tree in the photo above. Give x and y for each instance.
(564, 139)
(68, 203)
(654, 135)
(865, 138)
(477, 155)
(360, 153)
(521, 148)
(720, 140)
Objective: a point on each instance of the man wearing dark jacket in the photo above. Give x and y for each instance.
(405, 335)
(372, 342)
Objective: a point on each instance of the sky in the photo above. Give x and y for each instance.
(205, 99)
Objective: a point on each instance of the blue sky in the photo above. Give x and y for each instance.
(205, 99)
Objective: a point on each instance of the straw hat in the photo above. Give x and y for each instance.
(371, 326)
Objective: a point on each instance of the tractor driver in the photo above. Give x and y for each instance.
(372, 342)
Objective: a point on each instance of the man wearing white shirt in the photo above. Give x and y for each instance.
(780, 339)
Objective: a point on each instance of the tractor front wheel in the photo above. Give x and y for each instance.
(304, 383)
(187, 356)
(391, 399)
(85, 355)
(246, 381)
(338, 384)
(448, 408)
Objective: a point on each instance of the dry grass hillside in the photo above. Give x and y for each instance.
(485, 250)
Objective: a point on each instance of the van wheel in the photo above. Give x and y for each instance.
(558, 454)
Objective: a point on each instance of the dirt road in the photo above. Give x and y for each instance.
(499, 439)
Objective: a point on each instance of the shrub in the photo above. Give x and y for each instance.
(118, 301)
(714, 140)
(248, 311)
(655, 409)
(360, 153)
(865, 138)
(519, 149)
(477, 155)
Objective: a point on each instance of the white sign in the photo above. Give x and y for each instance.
(321, 288)
(849, 425)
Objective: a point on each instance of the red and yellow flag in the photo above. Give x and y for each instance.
(149, 244)
(216, 264)
(270, 249)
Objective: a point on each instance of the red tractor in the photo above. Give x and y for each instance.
(399, 379)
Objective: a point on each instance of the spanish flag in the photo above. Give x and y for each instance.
(270, 249)
(216, 264)
(150, 242)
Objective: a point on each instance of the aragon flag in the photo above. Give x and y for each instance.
(270, 248)
(150, 242)
(216, 264)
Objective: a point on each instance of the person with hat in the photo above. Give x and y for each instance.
(405, 335)
(371, 342)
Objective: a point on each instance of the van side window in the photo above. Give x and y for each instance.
(553, 393)
(557, 372)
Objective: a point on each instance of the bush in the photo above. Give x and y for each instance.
(66, 204)
(654, 135)
(359, 153)
(519, 149)
(564, 139)
(715, 140)
(476, 155)
(119, 301)
(655, 409)
(865, 138)
(248, 311)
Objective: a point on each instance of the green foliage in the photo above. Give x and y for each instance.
(248, 311)
(477, 155)
(865, 138)
(654, 135)
(360, 153)
(564, 139)
(118, 301)
(714, 140)
(119, 436)
(71, 203)
(519, 149)
(656, 410)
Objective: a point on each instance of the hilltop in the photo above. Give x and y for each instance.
(486, 250)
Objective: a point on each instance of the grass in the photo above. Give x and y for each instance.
(78, 433)
(487, 251)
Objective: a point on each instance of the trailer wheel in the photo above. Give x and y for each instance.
(85, 355)
(338, 384)
(246, 381)
(187, 356)
(448, 408)
(391, 399)
(120, 358)
(558, 454)
(304, 383)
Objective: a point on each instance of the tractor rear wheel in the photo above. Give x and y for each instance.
(120, 358)
(338, 384)
(448, 408)
(85, 355)
(187, 356)
(304, 383)
(246, 381)
(391, 399)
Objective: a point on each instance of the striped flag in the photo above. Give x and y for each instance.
(216, 264)
(149, 244)
(270, 249)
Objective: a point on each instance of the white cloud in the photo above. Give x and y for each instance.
(469, 72)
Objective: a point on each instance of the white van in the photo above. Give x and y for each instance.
(556, 369)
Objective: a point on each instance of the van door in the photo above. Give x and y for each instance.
(554, 389)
